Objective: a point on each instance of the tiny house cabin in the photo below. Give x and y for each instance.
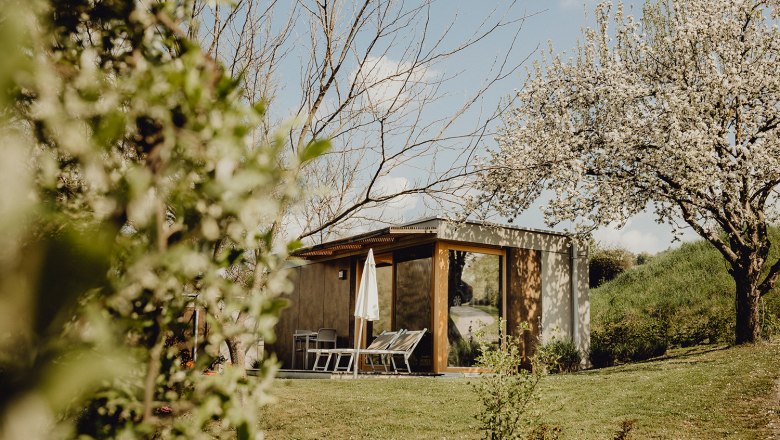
(455, 279)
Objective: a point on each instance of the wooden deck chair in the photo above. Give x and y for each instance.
(404, 346)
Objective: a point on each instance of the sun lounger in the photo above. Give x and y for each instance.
(381, 342)
(403, 345)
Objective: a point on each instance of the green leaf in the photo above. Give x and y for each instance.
(314, 149)
(294, 245)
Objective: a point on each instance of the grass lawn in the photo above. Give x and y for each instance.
(702, 393)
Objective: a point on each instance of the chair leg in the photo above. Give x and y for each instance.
(338, 362)
(408, 368)
(316, 362)
(327, 362)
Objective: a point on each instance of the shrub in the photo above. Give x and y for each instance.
(606, 264)
(559, 356)
(463, 352)
(642, 258)
(626, 341)
(701, 326)
(507, 393)
(770, 325)
(131, 181)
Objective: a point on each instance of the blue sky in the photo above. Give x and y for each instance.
(556, 22)
(560, 22)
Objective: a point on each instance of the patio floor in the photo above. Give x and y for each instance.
(309, 374)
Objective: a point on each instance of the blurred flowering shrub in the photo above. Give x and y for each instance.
(129, 187)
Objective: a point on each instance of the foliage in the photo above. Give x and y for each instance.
(482, 273)
(642, 258)
(133, 188)
(607, 263)
(627, 341)
(508, 391)
(463, 351)
(680, 298)
(559, 356)
(677, 112)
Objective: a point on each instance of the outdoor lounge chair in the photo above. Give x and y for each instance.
(404, 346)
(382, 341)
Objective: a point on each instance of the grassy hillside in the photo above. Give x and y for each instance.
(701, 393)
(681, 297)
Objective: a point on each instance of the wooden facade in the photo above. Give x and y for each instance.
(540, 278)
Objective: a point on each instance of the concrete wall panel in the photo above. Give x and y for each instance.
(498, 236)
(583, 302)
(556, 297)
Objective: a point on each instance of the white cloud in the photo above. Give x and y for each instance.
(390, 83)
(642, 234)
(387, 185)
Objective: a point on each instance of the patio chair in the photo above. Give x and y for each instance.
(380, 342)
(325, 336)
(404, 346)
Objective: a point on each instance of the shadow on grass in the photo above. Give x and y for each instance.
(678, 356)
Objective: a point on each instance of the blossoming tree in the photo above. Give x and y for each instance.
(678, 111)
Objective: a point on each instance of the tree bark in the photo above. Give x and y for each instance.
(236, 346)
(237, 353)
(748, 325)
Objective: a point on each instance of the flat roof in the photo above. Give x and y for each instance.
(428, 226)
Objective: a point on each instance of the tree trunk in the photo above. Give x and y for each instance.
(236, 346)
(748, 325)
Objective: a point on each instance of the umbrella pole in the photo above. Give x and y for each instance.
(356, 361)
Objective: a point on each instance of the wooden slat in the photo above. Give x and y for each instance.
(335, 294)
(524, 298)
(288, 322)
(440, 309)
(311, 298)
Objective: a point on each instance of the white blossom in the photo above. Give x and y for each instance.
(678, 111)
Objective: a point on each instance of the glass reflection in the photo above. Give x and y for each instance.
(413, 306)
(474, 296)
(384, 281)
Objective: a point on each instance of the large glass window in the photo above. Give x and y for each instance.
(413, 294)
(413, 301)
(474, 297)
(384, 281)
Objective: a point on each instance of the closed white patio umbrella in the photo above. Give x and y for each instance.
(366, 303)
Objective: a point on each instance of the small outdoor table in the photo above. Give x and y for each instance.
(302, 336)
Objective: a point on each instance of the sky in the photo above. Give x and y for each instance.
(559, 23)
